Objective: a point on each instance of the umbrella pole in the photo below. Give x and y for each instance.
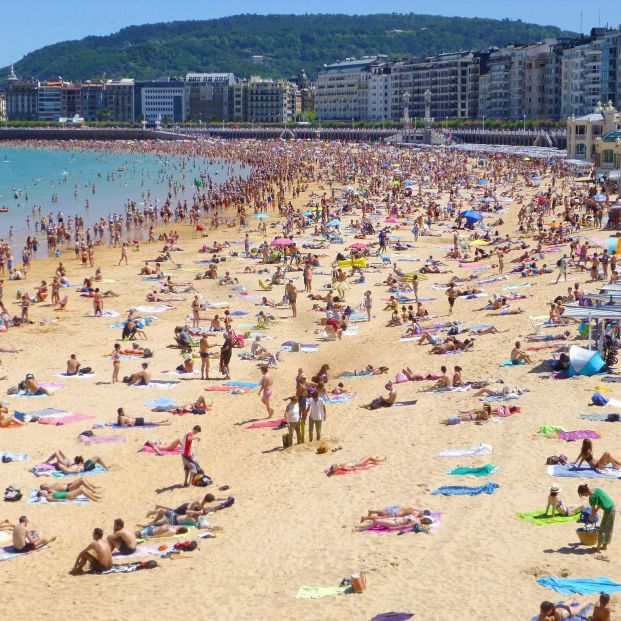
(589, 330)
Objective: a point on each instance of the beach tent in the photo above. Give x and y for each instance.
(584, 361)
(471, 216)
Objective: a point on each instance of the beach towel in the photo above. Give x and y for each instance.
(343, 398)
(459, 490)
(612, 379)
(307, 592)
(153, 309)
(549, 430)
(106, 313)
(509, 363)
(598, 417)
(47, 470)
(9, 552)
(179, 373)
(400, 404)
(239, 313)
(580, 586)
(13, 456)
(141, 552)
(392, 616)
(101, 439)
(267, 424)
(242, 384)
(163, 402)
(538, 517)
(571, 471)
(146, 425)
(151, 450)
(76, 375)
(65, 419)
(526, 284)
(472, 451)
(580, 434)
(349, 470)
(34, 499)
(158, 385)
(437, 517)
(481, 471)
(40, 413)
(127, 568)
(229, 389)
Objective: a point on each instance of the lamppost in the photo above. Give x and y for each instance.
(483, 122)
(524, 119)
(446, 124)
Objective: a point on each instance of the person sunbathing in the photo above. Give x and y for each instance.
(586, 455)
(122, 539)
(139, 378)
(25, 540)
(396, 523)
(453, 344)
(150, 271)
(158, 445)
(32, 387)
(96, 554)
(126, 421)
(508, 311)
(154, 532)
(200, 406)
(63, 464)
(518, 356)
(78, 483)
(356, 465)
(67, 496)
(556, 504)
(561, 612)
(564, 336)
(426, 336)
(486, 330)
(6, 420)
(196, 506)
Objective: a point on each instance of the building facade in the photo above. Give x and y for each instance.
(161, 100)
(270, 101)
(118, 101)
(2, 107)
(207, 96)
(49, 101)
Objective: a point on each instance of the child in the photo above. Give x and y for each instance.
(557, 505)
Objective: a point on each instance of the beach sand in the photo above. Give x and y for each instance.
(291, 525)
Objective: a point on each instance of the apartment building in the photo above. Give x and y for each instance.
(160, 100)
(2, 107)
(207, 96)
(118, 101)
(49, 101)
(270, 101)
(342, 88)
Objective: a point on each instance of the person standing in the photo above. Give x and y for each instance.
(266, 388)
(451, 294)
(501, 261)
(292, 414)
(226, 351)
(368, 304)
(317, 415)
(292, 295)
(97, 303)
(308, 277)
(116, 362)
(123, 253)
(190, 466)
(562, 268)
(196, 310)
(600, 500)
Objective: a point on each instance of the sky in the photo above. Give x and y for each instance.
(29, 25)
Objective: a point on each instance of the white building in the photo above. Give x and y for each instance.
(2, 107)
(162, 100)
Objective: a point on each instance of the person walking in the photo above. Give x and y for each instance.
(317, 415)
(600, 500)
(190, 466)
(368, 304)
(292, 295)
(562, 268)
(266, 388)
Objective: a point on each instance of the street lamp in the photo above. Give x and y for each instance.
(524, 119)
(483, 122)
(446, 124)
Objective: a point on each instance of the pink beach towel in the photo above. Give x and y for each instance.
(64, 419)
(267, 424)
(151, 450)
(581, 434)
(432, 528)
(342, 471)
(102, 439)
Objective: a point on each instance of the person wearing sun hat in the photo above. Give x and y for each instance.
(558, 506)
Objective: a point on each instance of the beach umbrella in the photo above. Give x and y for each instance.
(281, 241)
(584, 361)
(391, 220)
(482, 182)
(334, 222)
(308, 213)
(261, 216)
(472, 216)
(600, 197)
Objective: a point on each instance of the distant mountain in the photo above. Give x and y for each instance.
(267, 45)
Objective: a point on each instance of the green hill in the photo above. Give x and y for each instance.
(287, 43)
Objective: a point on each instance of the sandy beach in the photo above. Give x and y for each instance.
(291, 525)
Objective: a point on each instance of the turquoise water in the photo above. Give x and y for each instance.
(32, 178)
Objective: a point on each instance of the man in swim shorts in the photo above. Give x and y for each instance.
(97, 554)
(25, 540)
(190, 466)
(122, 539)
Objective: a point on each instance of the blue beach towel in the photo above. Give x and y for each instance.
(161, 402)
(482, 471)
(458, 490)
(242, 384)
(509, 363)
(33, 499)
(570, 471)
(580, 586)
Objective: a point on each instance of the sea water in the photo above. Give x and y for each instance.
(60, 180)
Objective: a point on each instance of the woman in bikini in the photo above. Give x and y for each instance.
(586, 455)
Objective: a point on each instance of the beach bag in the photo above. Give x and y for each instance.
(185, 546)
(556, 460)
(286, 443)
(12, 494)
(598, 399)
(200, 479)
(13, 390)
(613, 418)
(85, 371)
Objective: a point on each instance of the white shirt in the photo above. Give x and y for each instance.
(317, 409)
(292, 413)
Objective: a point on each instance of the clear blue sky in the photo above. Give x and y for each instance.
(30, 24)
